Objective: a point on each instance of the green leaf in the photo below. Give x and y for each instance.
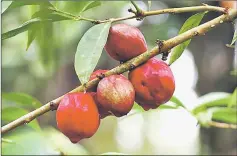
(7, 141)
(204, 118)
(190, 23)
(78, 7)
(149, 5)
(63, 144)
(234, 38)
(212, 100)
(165, 106)
(233, 99)
(27, 142)
(20, 3)
(21, 99)
(12, 113)
(48, 56)
(45, 14)
(31, 36)
(89, 50)
(52, 14)
(227, 115)
(137, 107)
(177, 101)
(91, 5)
(24, 27)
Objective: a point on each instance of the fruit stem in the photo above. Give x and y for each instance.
(140, 12)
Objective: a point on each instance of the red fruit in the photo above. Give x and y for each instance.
(153, 82)
(125, 42)
(77, 116)
(228, 4)
(102, 111)
(94, 75)
(97, 72)
(116, 94)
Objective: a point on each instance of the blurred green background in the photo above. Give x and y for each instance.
(46, 71)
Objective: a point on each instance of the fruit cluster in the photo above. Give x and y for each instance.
(150, 85)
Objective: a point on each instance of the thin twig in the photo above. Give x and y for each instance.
(167, 45)
(151, 13)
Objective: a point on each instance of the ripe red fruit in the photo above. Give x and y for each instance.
(77, 116)
(153, 82)
(116, 94)
(102, 111)
(125, 42)
(97, 72)
(228, 4)
(94, 75)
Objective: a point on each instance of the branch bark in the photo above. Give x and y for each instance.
(164, 11)
(229, 16)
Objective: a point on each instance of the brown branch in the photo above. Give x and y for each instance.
(148, 13)
(164, 11)
(230, 15)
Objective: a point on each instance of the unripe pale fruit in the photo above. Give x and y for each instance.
(153, 82)
(125, 42)
(77, 116)
(116, 94)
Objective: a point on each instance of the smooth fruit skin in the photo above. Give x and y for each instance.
(93, 76)
(125, 42)
(102, 111)
(96, 73)
(228, 4)
(153, 82)
(77, 116)
(116, 94)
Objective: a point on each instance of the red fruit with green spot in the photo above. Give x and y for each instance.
(153, 82)
(125, 42)
(77, 116)
(116, 94)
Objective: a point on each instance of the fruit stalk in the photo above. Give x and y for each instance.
(229, 16)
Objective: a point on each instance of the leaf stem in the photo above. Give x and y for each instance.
(229, 16)
(136, 6)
